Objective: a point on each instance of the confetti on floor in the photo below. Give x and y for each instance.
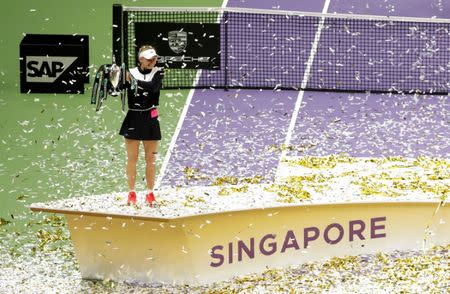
(309, 179)
(47, 262)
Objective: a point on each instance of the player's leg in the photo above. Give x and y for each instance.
(151, 150)
(132, 147)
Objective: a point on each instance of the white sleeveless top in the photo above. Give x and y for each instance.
(141, 77)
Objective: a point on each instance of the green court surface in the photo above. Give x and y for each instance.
(57, 146)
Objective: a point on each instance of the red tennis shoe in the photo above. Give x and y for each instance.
(150, 198)
(131, 198)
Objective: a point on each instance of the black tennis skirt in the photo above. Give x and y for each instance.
(138, 125)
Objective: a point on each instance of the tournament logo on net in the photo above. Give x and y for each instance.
(177, 41)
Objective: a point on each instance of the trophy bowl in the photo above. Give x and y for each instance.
(114, 79)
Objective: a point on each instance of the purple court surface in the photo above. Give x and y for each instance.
(233, 133)
(230, 134)
(374, 125)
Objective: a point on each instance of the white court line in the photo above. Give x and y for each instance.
(306, 75)
(172, 144)
(176, 132)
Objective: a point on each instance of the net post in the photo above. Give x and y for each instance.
(126, 40)
(225, 53)
(117, 33)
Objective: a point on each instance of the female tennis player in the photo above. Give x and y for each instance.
(141, 122)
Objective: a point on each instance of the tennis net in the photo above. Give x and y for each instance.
(266, 49)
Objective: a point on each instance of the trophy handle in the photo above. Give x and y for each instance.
(103, 87)
(95, 86)
(123, 80)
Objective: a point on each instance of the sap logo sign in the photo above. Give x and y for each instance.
(46, 69)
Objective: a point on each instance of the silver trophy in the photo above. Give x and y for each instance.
(115, 73)
(109, 80)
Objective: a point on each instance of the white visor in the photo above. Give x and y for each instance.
(148, 54)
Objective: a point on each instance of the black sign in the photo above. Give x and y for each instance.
(182, 45)
(54, 63)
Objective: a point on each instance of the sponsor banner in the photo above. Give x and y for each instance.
(182, 45)
(219, 246)
(54, 63)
